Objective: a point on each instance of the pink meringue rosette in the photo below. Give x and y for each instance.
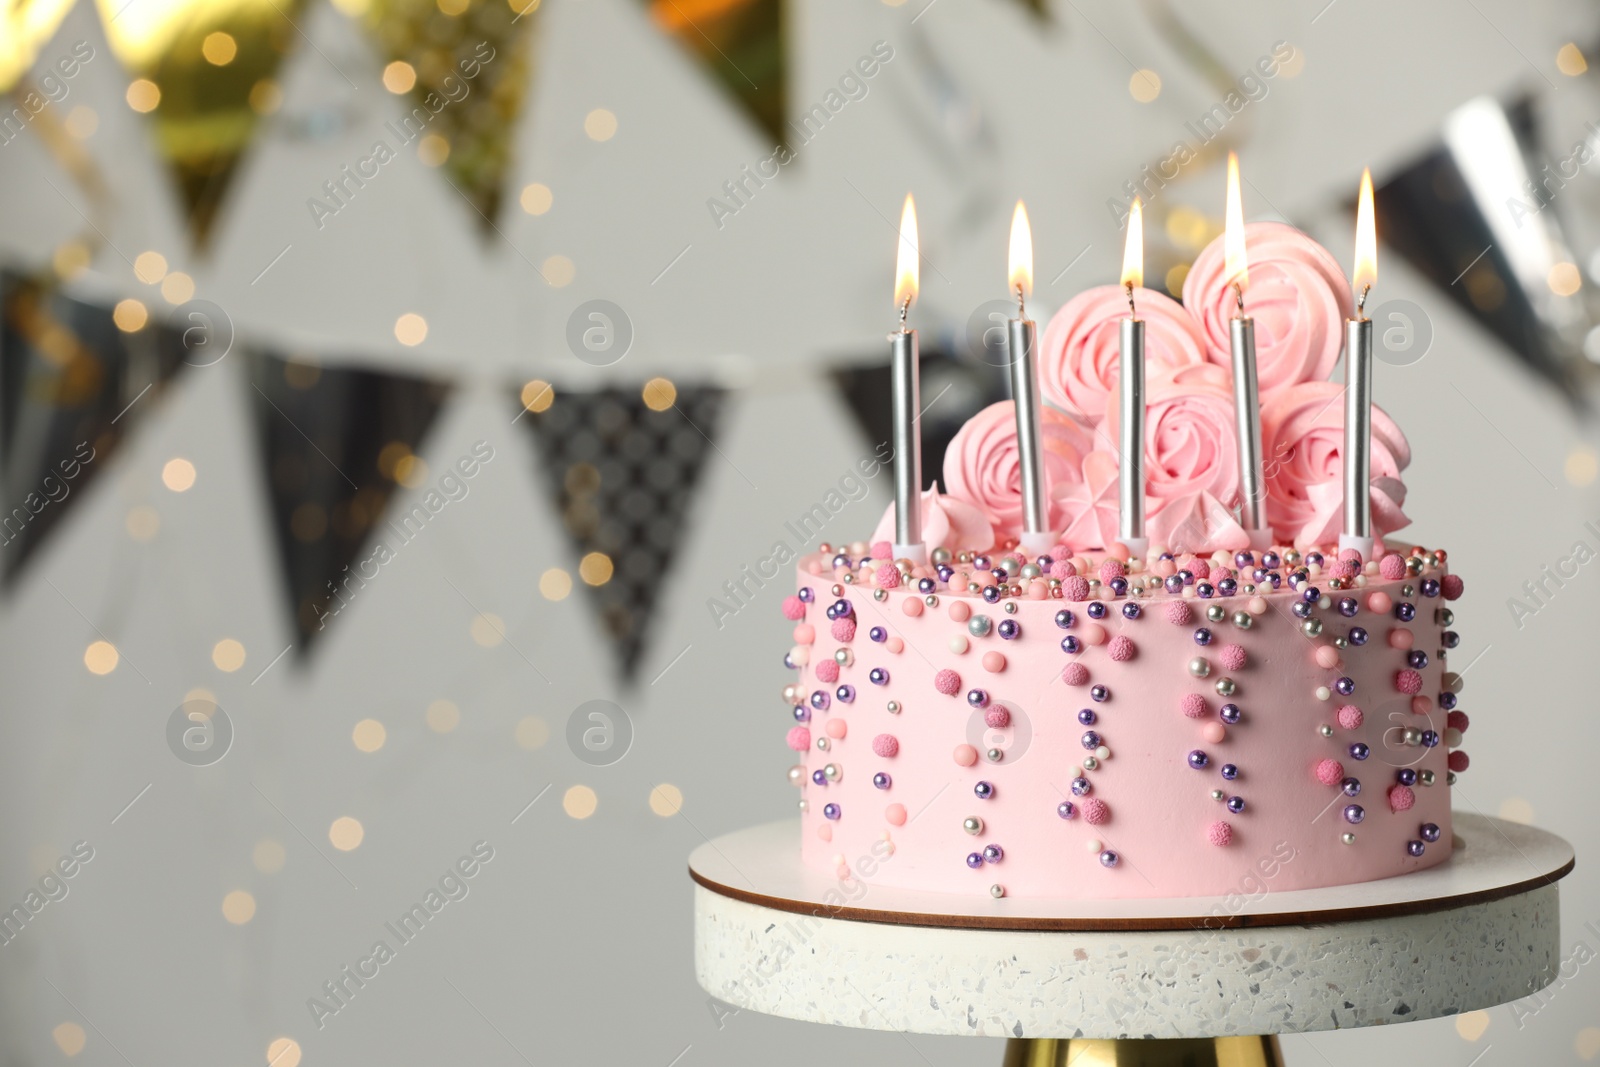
(1302, 438)
(1297, 295)
(1079, 356)
(981, 465)
(1090, 507)
(946, 523)
(1191, 460)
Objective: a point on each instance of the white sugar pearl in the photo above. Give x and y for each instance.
(958, 644)
(1092, 845)
(1103, 752)
(1323, 692)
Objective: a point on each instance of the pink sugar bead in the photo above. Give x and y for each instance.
(1392, 567)
(1457, 720)
(888, 576)
(805, 633)
(1120, 649)
(1256, 605)
(825, 831)
(1232, 657)
(1201, 569)
(1178, 613)
(1075, 674)
(985, 578)
(1214, 733)
(965, 755)
(994, 662)
(1075, 588)
(895, 645)
(1421, 705)
(882, 550)
(895, 814)
(1459, 761)
(947, 682)
(1346, 568)
(1452, 586)
(1401, 798)
(1330, 772)
(1350, 717)
(1350, 553)
(1380, 602)
(886, 745)
(1327, 656)
(794, 609)
(1401, 638)
(1038, 590)
(1112, 568)
(1063, 569)
(828, 670)
(1219, 572)
(1096, 812)
(911, 606)
(813, 566)
(837, 728)
(960, 610)
(1093, 634)
(1408, 681)
(844, 629)
(1193, 705)
(1163, 568)
(997, 717)
(799, 738)
(1219, 833)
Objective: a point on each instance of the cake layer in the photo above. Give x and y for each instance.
(1074, 742)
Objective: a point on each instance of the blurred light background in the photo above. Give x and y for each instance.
(387, 385)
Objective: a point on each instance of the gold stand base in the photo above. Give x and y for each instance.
(1172, 1052)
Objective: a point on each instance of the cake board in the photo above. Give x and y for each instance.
(1193, 980)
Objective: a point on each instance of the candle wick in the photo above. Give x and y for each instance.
(1131, 309)
(1021, 309)
(905, 306)
(1238, 296)
(1361, 304)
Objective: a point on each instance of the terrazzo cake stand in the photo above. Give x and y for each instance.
(1193, 981)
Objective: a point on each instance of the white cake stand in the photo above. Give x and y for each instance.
(1197, 980)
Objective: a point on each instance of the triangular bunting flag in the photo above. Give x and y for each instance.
(464, 77)
(742, 46)
(623, 466)
(72, 383)
(205, 76)
(334, 444)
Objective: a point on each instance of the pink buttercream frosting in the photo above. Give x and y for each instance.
(1079, 355)
(1297, 295)
(947, 522)
(981, 466)
(1302, 441)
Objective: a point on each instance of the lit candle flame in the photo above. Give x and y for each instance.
(1133, 252)
(1366, 272)
(1021, 260)
(1238, 264)
(905, 263)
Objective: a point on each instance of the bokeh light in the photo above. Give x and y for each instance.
(580, 802)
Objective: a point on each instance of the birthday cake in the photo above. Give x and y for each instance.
(1215, 716)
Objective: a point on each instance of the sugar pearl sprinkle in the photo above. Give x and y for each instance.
(1366, 619)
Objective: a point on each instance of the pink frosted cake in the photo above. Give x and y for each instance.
(1084, 724)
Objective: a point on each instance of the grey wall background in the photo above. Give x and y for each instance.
(574, 943)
